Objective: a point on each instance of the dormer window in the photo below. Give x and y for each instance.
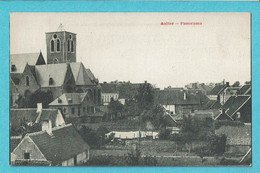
(68, 45)
(51, 81)
(13, 68)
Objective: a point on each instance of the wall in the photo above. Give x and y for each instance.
(170, 108)
(106, 97)
(27, 145)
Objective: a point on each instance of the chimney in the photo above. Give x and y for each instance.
(227, 84)
(39, 107)
(49, 128)
(184, 95)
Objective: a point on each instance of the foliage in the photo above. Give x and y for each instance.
(164, 133)
(144, 96)
(89, 136)
(31, 100)
(95, 139)
(134, 158)
(115, 108)
(154, 114)
(219, 123)
(236, 84)
(101, 131)
(25, 128)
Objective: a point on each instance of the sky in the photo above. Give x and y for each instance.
(136, 47)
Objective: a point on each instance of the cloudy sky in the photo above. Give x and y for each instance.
(135, 47)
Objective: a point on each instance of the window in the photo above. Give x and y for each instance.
(68, 45)
(27, 81)
(13, 68)
(64, 110)
(73, 110)
(51, 81)
(55, 36)
(58, 45)
(26, 155)
(52, 45)
(84, 109)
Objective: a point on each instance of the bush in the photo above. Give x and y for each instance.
(219, 123)
(164, 133)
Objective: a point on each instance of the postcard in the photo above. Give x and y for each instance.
(130, 89)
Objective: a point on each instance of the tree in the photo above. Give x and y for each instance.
(101, 132)
(236, 84)
(115, 108)
(133, 158)
(89, 136)
(144, 96)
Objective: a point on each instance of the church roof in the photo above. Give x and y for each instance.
(20, 61)
(82, 75)
(55, 71)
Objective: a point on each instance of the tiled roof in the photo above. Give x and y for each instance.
(234, 103)
(69, 99)
(236, 135)
(63, 144)
(108, 88)
(20, 61)
(14, 142)
(82, 75)
(207, 113)
(176, 97)
(217, 89)
(27, 115)
(55, 71)
(244, 90)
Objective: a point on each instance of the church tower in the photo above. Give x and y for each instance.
(61, 47)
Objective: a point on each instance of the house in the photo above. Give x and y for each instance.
(19, 118)
(245, 90)
(74, 104)
(237, 108)
(178, 102)
(238, 138)
(109, 93)
(59, 146)
(214, 93)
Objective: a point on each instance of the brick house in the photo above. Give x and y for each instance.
(178, 102)
(59, 146)
(74, 104)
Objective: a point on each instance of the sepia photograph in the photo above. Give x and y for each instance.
(130, 89)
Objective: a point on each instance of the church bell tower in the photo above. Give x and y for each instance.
(61, 46)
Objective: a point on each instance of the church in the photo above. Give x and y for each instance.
(59, 74)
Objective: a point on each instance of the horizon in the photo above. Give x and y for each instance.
(135, 47)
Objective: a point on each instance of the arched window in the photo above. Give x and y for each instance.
(27, 81)
(72, 48)
(58, 45)
(52, 45)
(68, 45)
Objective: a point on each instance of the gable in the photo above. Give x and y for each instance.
(28, 146)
